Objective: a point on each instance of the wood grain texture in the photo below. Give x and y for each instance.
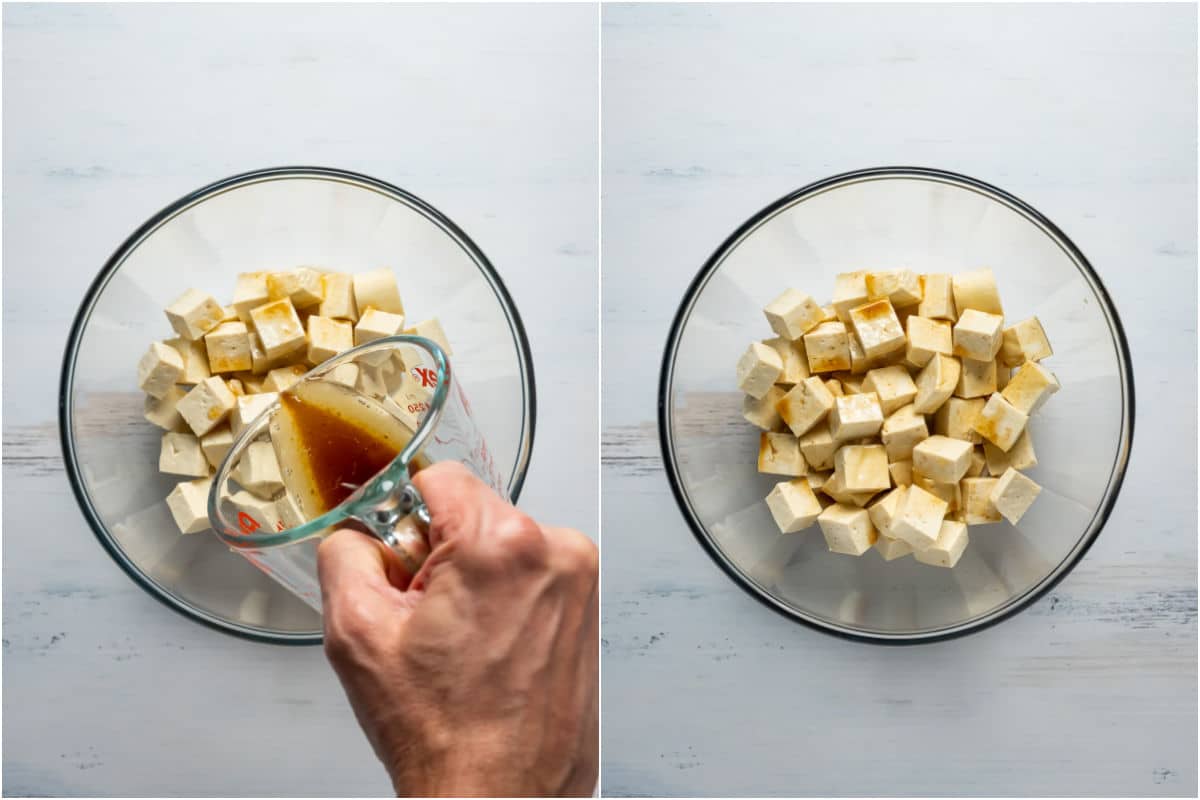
(1088, 113)
(111, 112)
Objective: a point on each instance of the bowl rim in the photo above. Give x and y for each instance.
(193, 198)
(1013, 605)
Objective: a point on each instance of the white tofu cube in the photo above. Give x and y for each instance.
(828, 313)
(978, 464)
(283, 378)
(188, 503)
(835, 388)
(301, 286)
(900, 287)
(228, 347)
(432, 329)
(180, 454)
(765, 412)
(1025, 341)
(977, 501)
(851, 383)
(891, 549)
(849, 291)
(195, 359)
(1013, 494)
(978, 335)
(948, 548)
(977, 290)
(289, 511)
(976, 378)
(817, 481)
(249, 408)
(855, 416)
(936, 382)
(258, 470)
(255, 515)
(758, 369)
(159, 369)
(827, 347)
(194, 314)
(848, 530)
(859, 363)
(863, 468)
(885, 509)
(793, 314)
(164, 411)
(345, 374)
(956, 419)
(793, 358)
(835, 488)
(216, 444)
(1003, 375)
(1030, 387)
(779, 454)
(337, 297)
(328, 337)
(373, 325)
(942, 459)
(377, 290)
(793, 505)
(806, 404)
(902, 474)
(920, 519)
(878, 328)
(260, 363)
(903, 430)
(207, 405)
(893, 385)
(1020, 456)
(230, 314)
(278, 327)
(927, 338)
(950, 492)
(250, 292)
(818, 447)
(1000, 423)
(937, 297)
(253, 383)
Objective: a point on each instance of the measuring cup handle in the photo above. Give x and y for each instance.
(408, 540)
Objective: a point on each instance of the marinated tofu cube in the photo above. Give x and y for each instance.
(255, 514)
(289, 512)
(258, 470)
(1020, 456)
(851, 383)
(432, 329)
(301, 286)
(806, 404)
(345, 374)
(180, 454)
(793, 314)
(373, 325)
(835, 388)
(885, 509)
(891, 549)
(817, 480)
(283, 378)
(278, 327)
(1000, 423)
(207, 405)
(920, 519)
(779, 454)
(849, 291)
(942, 459)
(901, 471)
(976, 290)
(164, 411)
(976, 378)
(159, 369)
(377, 289)
(818, 447)
(260, 364)
(337, 297)
(194, 314)
(855, 416)
(1030, 387)
(228, 347)
(900, 287)
(956, 419)
(328, 337)
(978, 463)
(937, 299)
(902, 431)
(758, 369)
(188, 503)
(828, 313)
(948, 548)
(977, 501)
(978, 335)
(927, 338)
(250, 292)
(863, 468)
(859, 363)
(216, 444)
(827, 347)
(893, 385)
(848, 530)
(835, 487)
(765, 412)
(1025, 341)
(195, 359)
(1013, 494)
(793, 358)
(936, 382)
(878, 329)
(249, 408)
(251, 382)
(1003, 376)
(793, 505)
(950, 492)
(230, 314)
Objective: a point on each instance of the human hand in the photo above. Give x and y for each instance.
(481, 677)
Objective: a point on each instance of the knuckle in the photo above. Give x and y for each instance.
(519, 535)
(581, 555)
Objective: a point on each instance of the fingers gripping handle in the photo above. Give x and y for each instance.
(402, 523)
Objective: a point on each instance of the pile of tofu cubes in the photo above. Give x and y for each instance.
(899, 411)
(228, 364)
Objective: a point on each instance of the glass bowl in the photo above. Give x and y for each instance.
(930, 221)
(267, 219)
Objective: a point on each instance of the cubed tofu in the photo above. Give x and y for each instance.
(328, 337)
(941, 458)
(374, 324)
(432, 329)
(976, 378)
(827, 347)
(927, 338)
(250, 292)
(793, 314)
(377, 289)
(337, 297)
(891, 549)
(195, 359)
(1030, 387)
(283, 378)
(345, 374)
(817, 480)
(301, 286)
(252, 383)
(937, 298)
(878, 329)
(258, 470)
(1003, 376)
(1020, 456)
(1013, 494)
(835, 488)
(779, 454)
(976, 290)
(216, 444)
(207, 405)
(260, 364)
(977, 501)
(249, 408)
(159, 369)
(818, 447)
(920, 519)
(289, 511)
(885, 509)
(180, 454)
(851, 383)
(835, 388)
(978, 334)
(847, 529)
(793, 505)
(956, 419)
(849, 291)
(188, 503)
(859, 363)
(230, 314)
(793, 358)
(902, 431)
(1025, 341)
(900, 287)
(864, 468)
(948, 548)
(1000, 423)
(855, 416)
(278, 327)
(164, 411)
(893, 385)
(255, 515)
(765, 412)
(805, 404)
(936, 382)
(758, 369)
(828, 313)
(901, 471)
(228, 348)
(950, 492)
(194, 314)
(978, 464)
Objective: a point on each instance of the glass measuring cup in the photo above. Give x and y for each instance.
(400, 390)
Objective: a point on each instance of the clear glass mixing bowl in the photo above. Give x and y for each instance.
(268, 219)
(930, 221)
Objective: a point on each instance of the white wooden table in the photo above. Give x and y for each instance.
(1089, 113)
(490, 114)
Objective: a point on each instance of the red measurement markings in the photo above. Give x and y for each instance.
(427, 377)
(247, 523)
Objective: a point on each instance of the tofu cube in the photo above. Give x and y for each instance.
(194, 314)
(863, 468)
(230, 314)
(779, 454)
(337, 297)
(835, 388)
(260, 363)
(902, 431)
(1020, 456)
(978, 335)
(817, 481)
(345, 374)
(252, 383)
(164, 411)
(159, 369)
(818, 448)
(956, 419)
(278, 327)
(1000, 423)
(216, 444)
(180, 454)
(891, 549)
(207, 405)
(978, 464)
(793, 314)
(328, 337)
(301, 286)
(849, 291)
(848, 530)
(936, 382)
(228, 347)
(765, 412)
(976, 290)
(942, 459)
(835, 488)
(250, 292)
(920, 519)
(793, 358)
(793, 505)
(377, 289)
(948, 548)
(758, 369)
(977, 501)
(255, 514)
(373, 325)
(976, 378)
(851, 383)
(927, 338)
(1025, 341)
(828, 313)
(1030, 387)
(893, 385)
(289, 512)
(950, 492)
(859, 363)
(885, 509)
(855, 416)
(249, 408)
(188, 503)
(1013, 494)
(900, 287)
(805, 404)
(1003, 376)
(901, 471)
(258, 470)
(827, 347)
(878, 329)
(195, 359)
(432, 329)
(937, 297)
